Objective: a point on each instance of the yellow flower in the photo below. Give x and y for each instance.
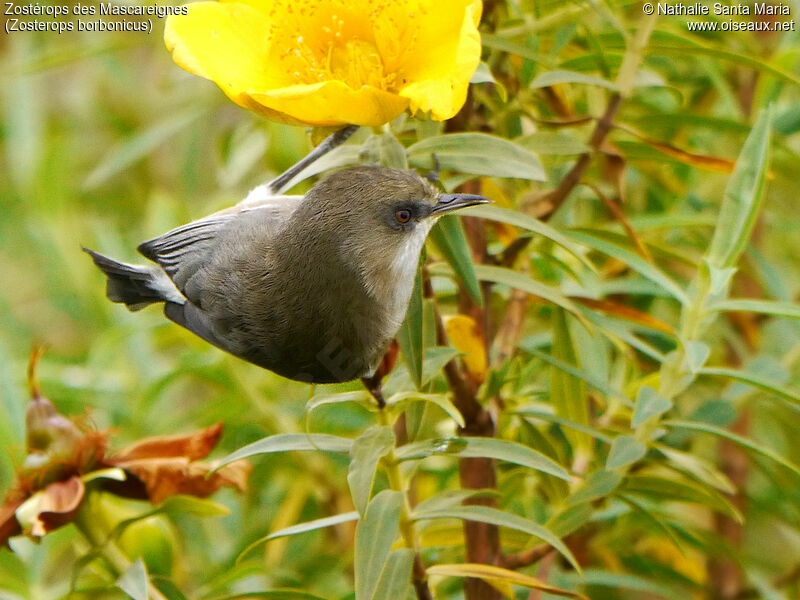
(333, 62)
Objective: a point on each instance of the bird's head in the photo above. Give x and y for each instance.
(379, 219)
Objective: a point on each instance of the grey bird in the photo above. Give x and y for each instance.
(311, 287)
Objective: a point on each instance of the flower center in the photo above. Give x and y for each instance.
(358, 63)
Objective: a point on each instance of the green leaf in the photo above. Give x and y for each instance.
(477, 154)
(625, 450)
(742, 441)
(513, 217)
(395, 579)
(448, 236)
(481, 447)
(397, 402)
(410, 334)
(698, 468)
(661, 489)
(522, 282)
(374, 536)
(493, 516)
(759, 381)
(742, 199)
(649, 404)
(366, 451)
(302, 528)
(548, 142)
(697, 354)
(284, 442)
(633, 260)
(345, 155)
(590, 379)
(567, 392)
(597, 485)
(134, 581)
(361, 397)
(545, 416)
(559, 76)
(176, 505)
(281, 594)
(765, 307)
(499, 575)
(621, 581)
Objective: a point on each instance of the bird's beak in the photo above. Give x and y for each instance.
(451, 202)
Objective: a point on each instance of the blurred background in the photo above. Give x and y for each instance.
(106, 143)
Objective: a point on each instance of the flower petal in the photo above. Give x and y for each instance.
(443, 56)
(333, 103)
(227, 43)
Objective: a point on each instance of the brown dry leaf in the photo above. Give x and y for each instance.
(625, 312)
(59, 503)
(163, 477)
(191, 446)
(701, 161)
(466, 337)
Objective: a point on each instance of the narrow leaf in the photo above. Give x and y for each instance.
(522, 282)
(395, 579)
(519, 219)
(469, 447)
(366, 451)
(759, 381)
(493, 516)
(399, 401)
(302, 528)
(493, 573)
(477, 154)
(410, 335)
(448, 236)
(742, 441)
(374, 536)
(766, 307)
(625, 450)
(633, 260)
(742, 199)
(284, 442)
(555, 77)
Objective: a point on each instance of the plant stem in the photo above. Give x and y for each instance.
(406, 525)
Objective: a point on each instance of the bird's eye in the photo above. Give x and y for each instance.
(403, 216)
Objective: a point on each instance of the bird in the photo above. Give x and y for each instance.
(312, 287)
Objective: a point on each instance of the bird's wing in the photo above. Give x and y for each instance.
(184, 250)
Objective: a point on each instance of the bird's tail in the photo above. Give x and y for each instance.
(135, 286)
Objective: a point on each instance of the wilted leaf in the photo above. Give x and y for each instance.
(192, 446)
(57, 505)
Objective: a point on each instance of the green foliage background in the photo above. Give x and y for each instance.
(107, 143)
